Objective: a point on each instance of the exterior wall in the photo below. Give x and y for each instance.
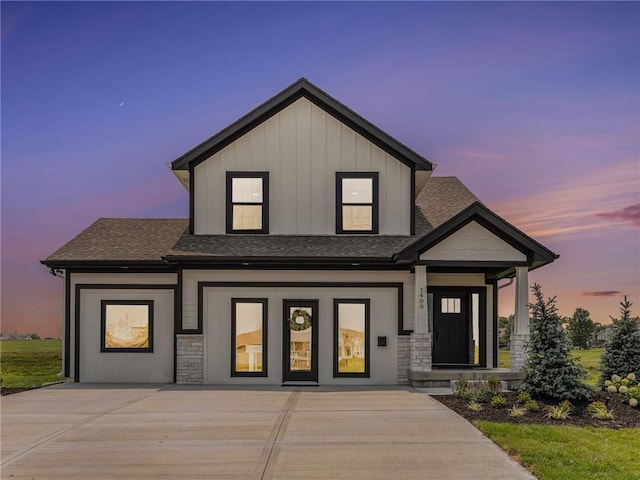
(302, 147)
(140, 367)
(473, 242)
(217, 332)
(190, 279)
(106, 279)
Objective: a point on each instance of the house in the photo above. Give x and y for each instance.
(318, 250)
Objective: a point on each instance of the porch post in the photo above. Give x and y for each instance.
(520, 334)
(420, 345)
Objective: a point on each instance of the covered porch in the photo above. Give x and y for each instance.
(458, 272)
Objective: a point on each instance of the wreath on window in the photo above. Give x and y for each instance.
(300, 320)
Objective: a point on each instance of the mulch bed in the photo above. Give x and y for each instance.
(624, 416)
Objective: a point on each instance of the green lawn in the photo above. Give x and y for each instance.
(569, 453)
(30, 363)
(590, 359)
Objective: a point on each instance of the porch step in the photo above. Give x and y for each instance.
(447, 378)
(300, 384)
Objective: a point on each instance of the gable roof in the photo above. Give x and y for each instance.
(537, 254)
(301, 88)
(120, 241)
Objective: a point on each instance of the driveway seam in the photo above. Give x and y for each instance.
(53, 436)
(266, 467)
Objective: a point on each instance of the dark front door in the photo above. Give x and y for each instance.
(451, 328)
(300, 341)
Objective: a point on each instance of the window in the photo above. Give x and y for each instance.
(357, 202)
(450, 305)
(351, 337)
(249, 337)
(247, 202)
(126, 326)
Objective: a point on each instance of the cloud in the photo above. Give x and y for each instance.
(603, 293)
(629, 214)
(566, 208)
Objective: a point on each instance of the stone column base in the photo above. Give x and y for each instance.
(189, 359)
(420, 348)
(518, 352)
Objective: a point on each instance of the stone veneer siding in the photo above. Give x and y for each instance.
(189, 359)
(420, 346)
(404, 354)
(518, 350)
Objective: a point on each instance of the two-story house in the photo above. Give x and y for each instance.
(318, 250)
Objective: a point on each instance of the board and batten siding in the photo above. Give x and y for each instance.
(107, 279)
(190, 279)
(302, 147)
(217, 332)
(473, 242)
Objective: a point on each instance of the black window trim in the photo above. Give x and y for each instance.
(103, 325)
(265, 201)
(375, 202)
(367, 337)
(264, 302)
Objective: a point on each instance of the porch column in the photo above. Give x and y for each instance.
(520, 334)
(420, 345)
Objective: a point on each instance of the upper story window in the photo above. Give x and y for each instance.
(357, 202)
(247, 202)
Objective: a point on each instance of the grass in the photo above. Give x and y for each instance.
(569, 453)
(590, 359)
(30, 363)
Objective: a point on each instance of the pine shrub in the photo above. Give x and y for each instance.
(622, 351)
(550, 371)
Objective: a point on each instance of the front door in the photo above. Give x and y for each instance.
(300, 340)
(451, 328)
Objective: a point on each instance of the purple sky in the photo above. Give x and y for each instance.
(534, 106)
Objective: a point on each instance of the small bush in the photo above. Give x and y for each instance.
(558, 412)
(494, 383)
(498, 401)
(474, 407)
(599, 410)
(523, 397)
(479, 395)
(462, 388)
(531, 406)
(516, 411)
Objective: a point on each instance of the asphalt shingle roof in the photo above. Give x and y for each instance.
(128, 239)
(149, 240)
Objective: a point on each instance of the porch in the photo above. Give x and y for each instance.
(443, 377)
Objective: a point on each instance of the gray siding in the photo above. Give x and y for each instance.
(217, 332)
(302, 147)
(107, 279)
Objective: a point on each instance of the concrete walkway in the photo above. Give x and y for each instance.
(79, 431)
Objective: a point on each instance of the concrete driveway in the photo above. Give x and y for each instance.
(84, 431)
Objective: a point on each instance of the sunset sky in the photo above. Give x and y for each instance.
(534, 106)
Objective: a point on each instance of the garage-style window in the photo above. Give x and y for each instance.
(247, 202)
(351, 337)
(248, 337)
(357, 202)
(126, 326)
